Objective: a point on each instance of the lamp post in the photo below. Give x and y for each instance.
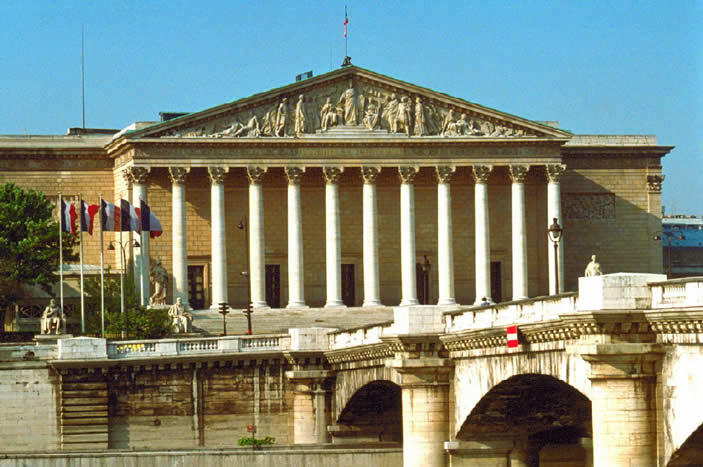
(658, 236)
(555, 231)
(111, 247)
(426, 267)
(245, 227)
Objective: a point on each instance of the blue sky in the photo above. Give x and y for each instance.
(598, 67)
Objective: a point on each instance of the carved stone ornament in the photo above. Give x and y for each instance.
(654, 183)
(354, 105)
(294, 174)
(178, 174)
(518, 172)
(256, 174)
(444, 173)
(369, 174)
(481, 173)
(407, 173)
(135, 175)
(554, 172)
(332, 174)
(217, 174)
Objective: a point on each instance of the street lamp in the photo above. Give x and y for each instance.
(111, 247)
(555, 232)
(243, 226)
(658, 236)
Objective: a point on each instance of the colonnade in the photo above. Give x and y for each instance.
(296, 285)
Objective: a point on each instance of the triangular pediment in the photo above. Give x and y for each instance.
(349, 102)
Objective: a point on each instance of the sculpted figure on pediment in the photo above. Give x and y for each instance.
(449, 124)
(420, 125)
(350, 105)
(390, 110)
(371, 116)
(403, 116)
(251, 130)
(282, 118)
(300, 117)
(328, 115)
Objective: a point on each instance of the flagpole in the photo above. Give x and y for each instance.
(80, 249)
(346, 54)
(102, 270)
(61, 258)
(122, 264)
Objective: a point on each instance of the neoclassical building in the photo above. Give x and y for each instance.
(356, 189)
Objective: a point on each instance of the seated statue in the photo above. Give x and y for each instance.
(51, 319)
(593, 268)
(181, 320)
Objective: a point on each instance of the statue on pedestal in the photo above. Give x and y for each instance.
(593, 268)
(159, 277)
(51, 319)
(181, 320)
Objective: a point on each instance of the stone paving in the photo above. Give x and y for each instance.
(278, 321)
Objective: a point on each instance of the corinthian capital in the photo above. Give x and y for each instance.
(481, 173)
(444, 173)
(178, 174)
(294, 174)
(554, 172)
(654, 183)
(369, 174)
(256, 174)
(332, 174)
(136, 174)
(217, 174)
(518, 172)
(407, 173)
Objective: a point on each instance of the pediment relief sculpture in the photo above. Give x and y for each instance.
(356, 106)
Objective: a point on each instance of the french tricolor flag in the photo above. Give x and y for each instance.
(68, 217)
(87, 214)
(129, 217)
(109, 217)
(511, 332)
(149, 221)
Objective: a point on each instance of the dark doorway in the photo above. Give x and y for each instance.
(422, 281)
(496, 282)
(348, 284)
(273, 285)
(196, 287)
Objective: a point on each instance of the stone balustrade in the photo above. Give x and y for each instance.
(677, 293)
(517, 312)
(354, 337)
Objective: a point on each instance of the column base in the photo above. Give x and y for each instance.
(335, 305)
(410, 302)
(373, 303)
(446, 301)
(260, 306)
(297, 305)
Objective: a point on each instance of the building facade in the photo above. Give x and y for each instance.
(355, 189)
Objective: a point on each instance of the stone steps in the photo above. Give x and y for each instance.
(84, 411)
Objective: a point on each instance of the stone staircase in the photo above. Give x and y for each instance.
(84, 411)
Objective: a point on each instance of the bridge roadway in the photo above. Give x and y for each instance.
(603, 377)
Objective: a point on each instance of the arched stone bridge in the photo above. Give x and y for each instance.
(606, 376)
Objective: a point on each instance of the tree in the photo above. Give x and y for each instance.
(29, 243)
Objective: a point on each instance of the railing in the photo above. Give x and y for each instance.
(523, 311)
(677, 293)
(359, 336)
(198, 346)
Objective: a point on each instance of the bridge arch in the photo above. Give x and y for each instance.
(348, 382)
(690, 452)
(474, 378)
(534, 412)
(374, 413)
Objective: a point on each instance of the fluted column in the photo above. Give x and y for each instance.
(217, 226)
(483, 239)
(179, 244)
(407, 235)
(518, 172)
(372, 296)
(554, 172)
(139, 178)
(445, 250)
(296, 283)
(257, 257)
(333, 243)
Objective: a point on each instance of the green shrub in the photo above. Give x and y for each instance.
(256, 441)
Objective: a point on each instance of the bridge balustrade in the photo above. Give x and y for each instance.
(677, 293)
(354, 337)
